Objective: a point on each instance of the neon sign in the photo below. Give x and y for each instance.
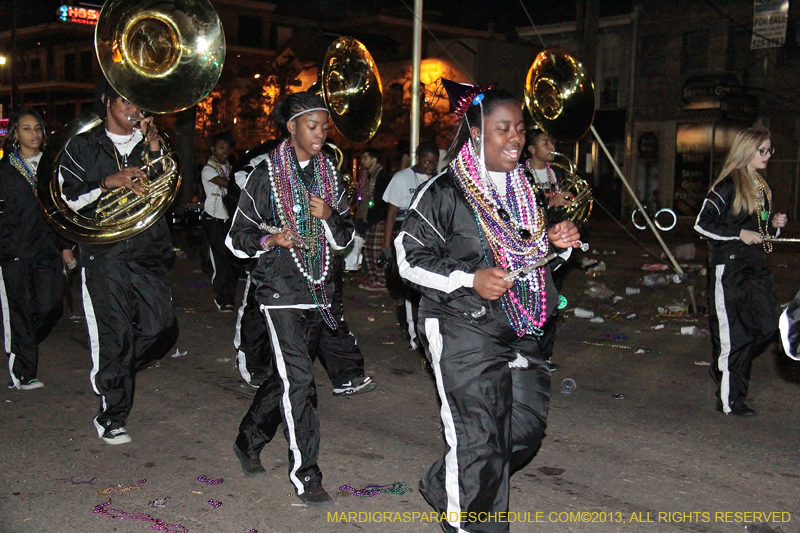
(78, 15)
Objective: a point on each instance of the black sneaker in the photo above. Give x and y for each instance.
(223, 308)
(116, 436)
(250, 466)
(742, 409)
(739, 409)
(356, 385)
(256, 379)
(316, 497)
(552, 366)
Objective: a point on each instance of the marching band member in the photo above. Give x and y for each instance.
(31, 270)
(736, 216)
(292, 213)
(127, 297)
(464, 231)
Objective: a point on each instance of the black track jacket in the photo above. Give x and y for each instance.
(721, 227)
(278, 281)
(87, 159)
(439, 249)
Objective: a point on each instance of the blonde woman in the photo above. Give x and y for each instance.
(735, 217)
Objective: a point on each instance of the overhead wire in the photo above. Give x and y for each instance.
(435, 38)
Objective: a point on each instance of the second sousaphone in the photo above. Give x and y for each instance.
(351, 88)
(559, 95)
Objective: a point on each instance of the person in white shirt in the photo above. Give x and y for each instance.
(398, 197)
(216, 222)
(540, 147)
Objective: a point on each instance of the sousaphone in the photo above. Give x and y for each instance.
(350, 86)
(559, 95)
(163, 56)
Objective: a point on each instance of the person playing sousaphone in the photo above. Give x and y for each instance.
(126, 290)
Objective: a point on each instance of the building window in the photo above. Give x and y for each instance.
(36, 69)
(69, 67)
(695, 52)
(87, 65)
(654, 54)
(250, 32)
(609, 96)
(278, 35)
(610, 66)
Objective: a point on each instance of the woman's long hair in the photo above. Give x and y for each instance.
(292, 105)
(745, 146)
(11, 143)
(472, 117)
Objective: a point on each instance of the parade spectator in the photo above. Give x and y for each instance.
(375, 184)
(216, 220)
(398, 195)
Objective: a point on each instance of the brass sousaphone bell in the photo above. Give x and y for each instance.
(163, 56)
(560, 97)
(350, 85)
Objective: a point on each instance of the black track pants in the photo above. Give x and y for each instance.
(31, 301)
(742, 317)
(223, 269)
(128, 308)
(337, 349)
(288, 396)
(494, 389)
(251, 340)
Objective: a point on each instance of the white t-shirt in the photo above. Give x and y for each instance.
(125, 143)
(542, 177)
(214, 193)
(34, 161)
(401, 189)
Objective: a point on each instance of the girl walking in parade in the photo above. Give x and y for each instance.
(293, 212)
(31, 269)
(466, 230)
(735, 217)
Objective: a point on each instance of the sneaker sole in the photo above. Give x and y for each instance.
(366, 387)
(325, 503)
(117, 441)
(32, 386)
(371, 289)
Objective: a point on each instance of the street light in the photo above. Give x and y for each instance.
(2, 63)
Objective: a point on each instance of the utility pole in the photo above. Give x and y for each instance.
(587, 24)
(14, 101)
(416, 60)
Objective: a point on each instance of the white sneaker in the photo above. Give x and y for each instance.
(27, 384)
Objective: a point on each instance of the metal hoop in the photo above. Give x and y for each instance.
(655, 219)
(674, 219)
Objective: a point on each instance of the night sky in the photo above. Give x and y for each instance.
(505, 14)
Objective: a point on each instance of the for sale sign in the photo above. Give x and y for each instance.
(769, 23)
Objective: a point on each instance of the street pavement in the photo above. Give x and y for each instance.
(636, 447)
